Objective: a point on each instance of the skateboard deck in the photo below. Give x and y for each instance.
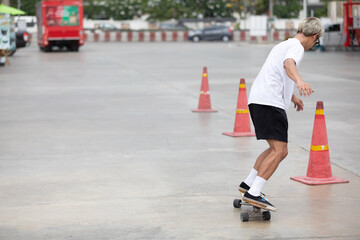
(257, 211)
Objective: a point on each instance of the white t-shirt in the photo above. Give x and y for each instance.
(272, 85)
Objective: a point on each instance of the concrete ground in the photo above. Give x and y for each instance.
(102, 144)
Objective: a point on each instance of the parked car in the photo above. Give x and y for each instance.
(22, 38)
(218, 32)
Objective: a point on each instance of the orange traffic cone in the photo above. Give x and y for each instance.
(242, 119)
(319, 168)
(204, 100)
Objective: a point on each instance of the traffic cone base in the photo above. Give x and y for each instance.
(319, 181)
(204, 110)
(239, 134)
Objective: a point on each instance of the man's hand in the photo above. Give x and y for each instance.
(304, 88)
(297, 103)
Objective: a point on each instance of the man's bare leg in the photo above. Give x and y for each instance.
(273, 156)
(270, 157)
(261, 158)
(254, 172)
(278, 151)
(267, 166)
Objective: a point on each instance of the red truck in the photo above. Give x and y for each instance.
(60, 23)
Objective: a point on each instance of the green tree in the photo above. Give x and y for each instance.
(262, 7)
(166, 9)
(124, 9)
(286, 8)
(322, 12)
(28, 6)
(236, 6)
(95, 9)
(210, 8)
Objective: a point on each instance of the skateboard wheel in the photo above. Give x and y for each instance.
(266, 215)
(244, 217)
(237, 203)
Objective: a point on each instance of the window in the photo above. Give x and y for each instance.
(334, 28)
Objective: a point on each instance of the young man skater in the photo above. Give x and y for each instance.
(269, 97)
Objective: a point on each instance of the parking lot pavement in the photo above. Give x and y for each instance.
(102, 144)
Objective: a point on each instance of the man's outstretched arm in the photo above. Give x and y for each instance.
(292, 72)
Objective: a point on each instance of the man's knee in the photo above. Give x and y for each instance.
(284, 153)
(279, 149)
(280, 153)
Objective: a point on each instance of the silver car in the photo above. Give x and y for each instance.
(218, 32)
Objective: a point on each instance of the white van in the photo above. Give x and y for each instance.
(333, 36)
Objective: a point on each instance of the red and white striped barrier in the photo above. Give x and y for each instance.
(177, 36)
(135, 36)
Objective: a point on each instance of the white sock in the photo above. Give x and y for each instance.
(250, 179)
(257, 186)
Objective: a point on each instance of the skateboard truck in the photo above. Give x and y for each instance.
(256, 212)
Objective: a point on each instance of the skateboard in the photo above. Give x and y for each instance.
(257, 212)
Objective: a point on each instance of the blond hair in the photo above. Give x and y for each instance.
(311, 26)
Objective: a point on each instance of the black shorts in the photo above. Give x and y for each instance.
(269, 122)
